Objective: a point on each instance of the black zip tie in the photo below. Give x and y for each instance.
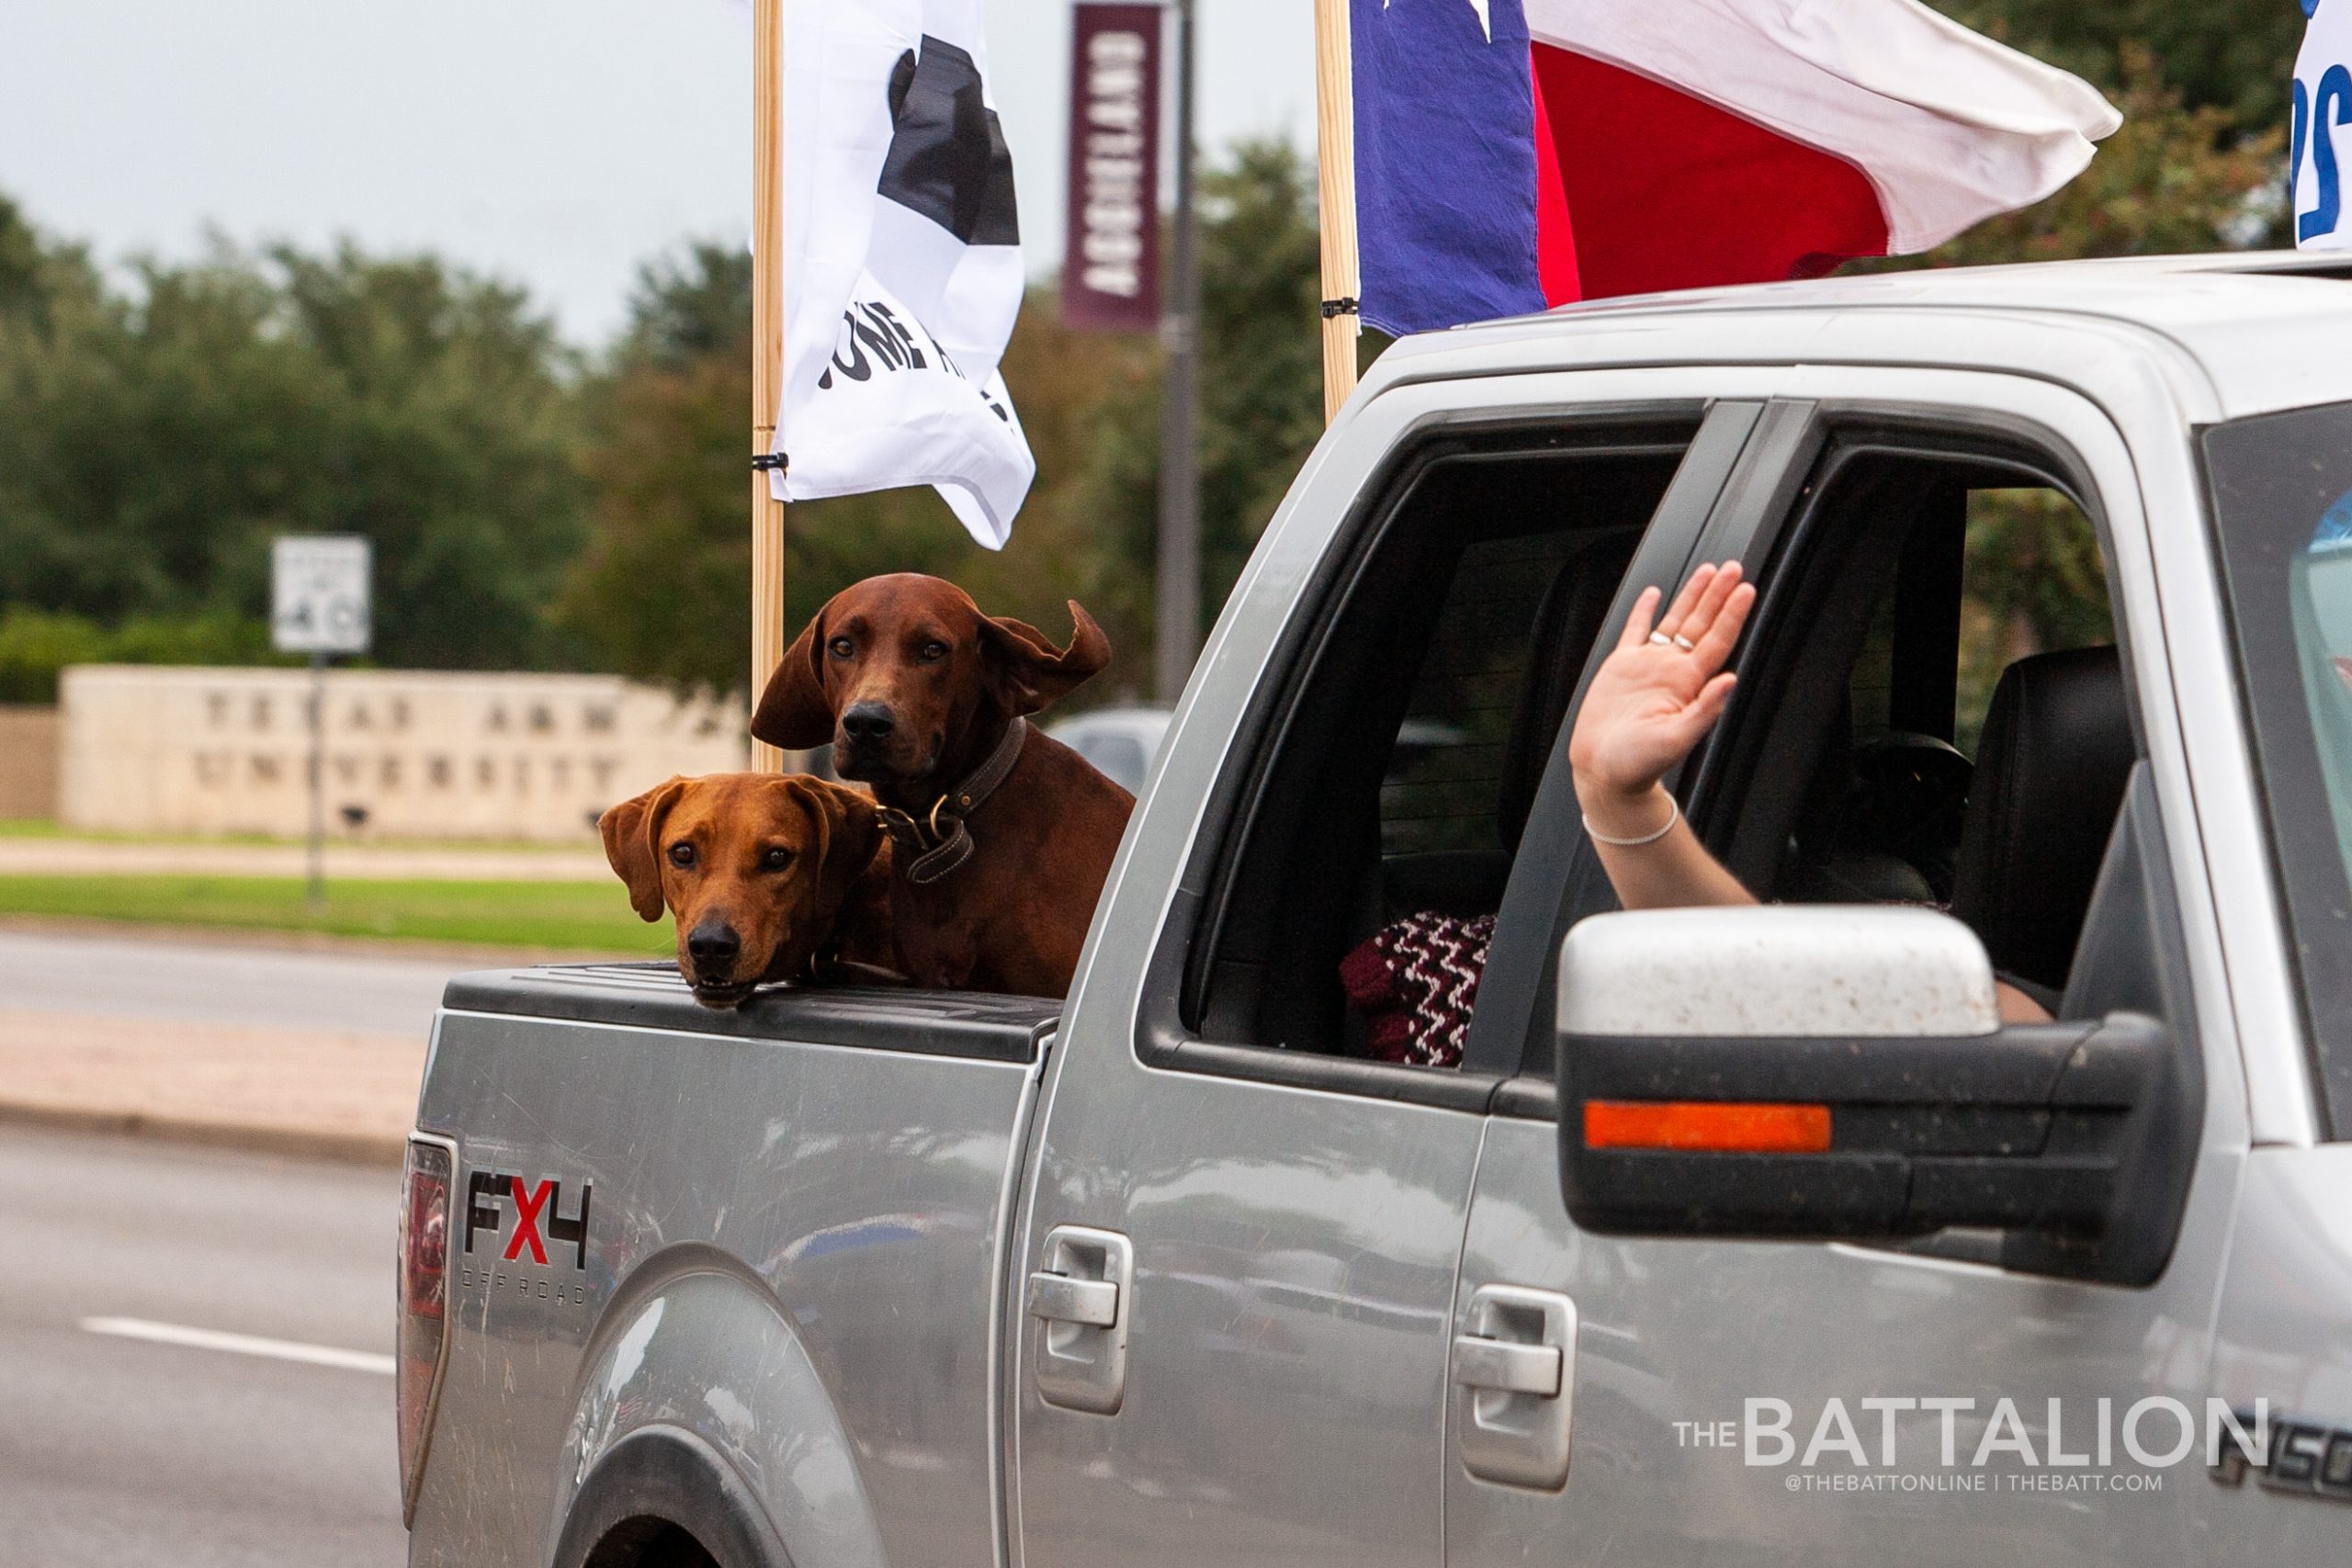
(767, 461)
(1346, 307)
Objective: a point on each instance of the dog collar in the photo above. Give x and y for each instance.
(939, 842)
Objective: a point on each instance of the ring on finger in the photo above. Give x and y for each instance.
(1684, 643)
(1661, 638)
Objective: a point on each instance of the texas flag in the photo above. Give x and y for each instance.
(1515, 154)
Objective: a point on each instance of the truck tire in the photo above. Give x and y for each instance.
(662, 1498)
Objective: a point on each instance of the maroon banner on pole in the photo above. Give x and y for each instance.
(1111, 255)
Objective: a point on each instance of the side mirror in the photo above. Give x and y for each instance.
(1834, 1071)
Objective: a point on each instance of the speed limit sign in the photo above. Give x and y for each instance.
(318, 594)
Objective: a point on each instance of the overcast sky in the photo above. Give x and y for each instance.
(557, 143)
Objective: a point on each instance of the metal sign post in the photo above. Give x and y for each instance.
(320, 604)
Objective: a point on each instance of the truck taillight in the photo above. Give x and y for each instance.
(424, 1302)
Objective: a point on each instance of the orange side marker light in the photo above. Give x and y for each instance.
(1715, 1128)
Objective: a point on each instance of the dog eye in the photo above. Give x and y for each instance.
(932, 652)
(776, 859)
(841, 648)
(682, 854)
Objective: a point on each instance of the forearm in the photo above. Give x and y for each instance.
(1674, 871)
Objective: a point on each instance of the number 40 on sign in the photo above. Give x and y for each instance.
(318, 594)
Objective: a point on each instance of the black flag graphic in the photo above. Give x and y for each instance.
(947, 159)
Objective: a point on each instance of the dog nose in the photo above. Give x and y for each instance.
(713, 946)
(867, 722)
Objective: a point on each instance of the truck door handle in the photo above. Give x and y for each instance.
(1514, 1374)
(1082, 1298)
(1507, 1367)
(1057, 1298)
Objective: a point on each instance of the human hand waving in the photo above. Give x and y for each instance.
(1656, 694)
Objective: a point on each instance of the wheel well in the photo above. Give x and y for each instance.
(647, 1541)
(661, 1497)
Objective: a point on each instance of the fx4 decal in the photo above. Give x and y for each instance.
(538, 1215)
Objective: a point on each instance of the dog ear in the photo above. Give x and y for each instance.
(849, 833)
(1031, 672)
(793, 712)
(632, 833)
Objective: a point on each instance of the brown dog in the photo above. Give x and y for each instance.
(1003, 836)
(770, 876)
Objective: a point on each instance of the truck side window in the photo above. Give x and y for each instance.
(1940, 713)
(1390, 793)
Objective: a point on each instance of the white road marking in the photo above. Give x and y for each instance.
(240, 1344)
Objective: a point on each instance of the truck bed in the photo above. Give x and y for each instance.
(666, 1219)
(654, 995)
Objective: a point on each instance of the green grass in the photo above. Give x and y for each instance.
(591, 917)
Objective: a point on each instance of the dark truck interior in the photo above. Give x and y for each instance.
(1924, 741)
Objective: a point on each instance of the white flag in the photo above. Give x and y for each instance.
(2321, 105)
(902, 261)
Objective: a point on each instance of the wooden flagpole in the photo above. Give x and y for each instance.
(767, 352)
(1335, 145)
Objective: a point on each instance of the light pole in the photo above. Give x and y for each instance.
(1178, 578)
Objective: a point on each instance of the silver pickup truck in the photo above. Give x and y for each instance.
(1733, 1236)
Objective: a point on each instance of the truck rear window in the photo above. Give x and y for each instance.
(1396, 780)
(1446, 767)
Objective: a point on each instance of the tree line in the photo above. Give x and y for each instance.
(534, 506)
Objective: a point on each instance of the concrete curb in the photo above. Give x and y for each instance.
(297, 1143)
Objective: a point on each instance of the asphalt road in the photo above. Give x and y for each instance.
(188, 981)
(125, 1452)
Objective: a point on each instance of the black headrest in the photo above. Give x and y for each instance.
(2051, 771)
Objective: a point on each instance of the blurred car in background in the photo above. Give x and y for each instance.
(1120, 741)
(1123, 741)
